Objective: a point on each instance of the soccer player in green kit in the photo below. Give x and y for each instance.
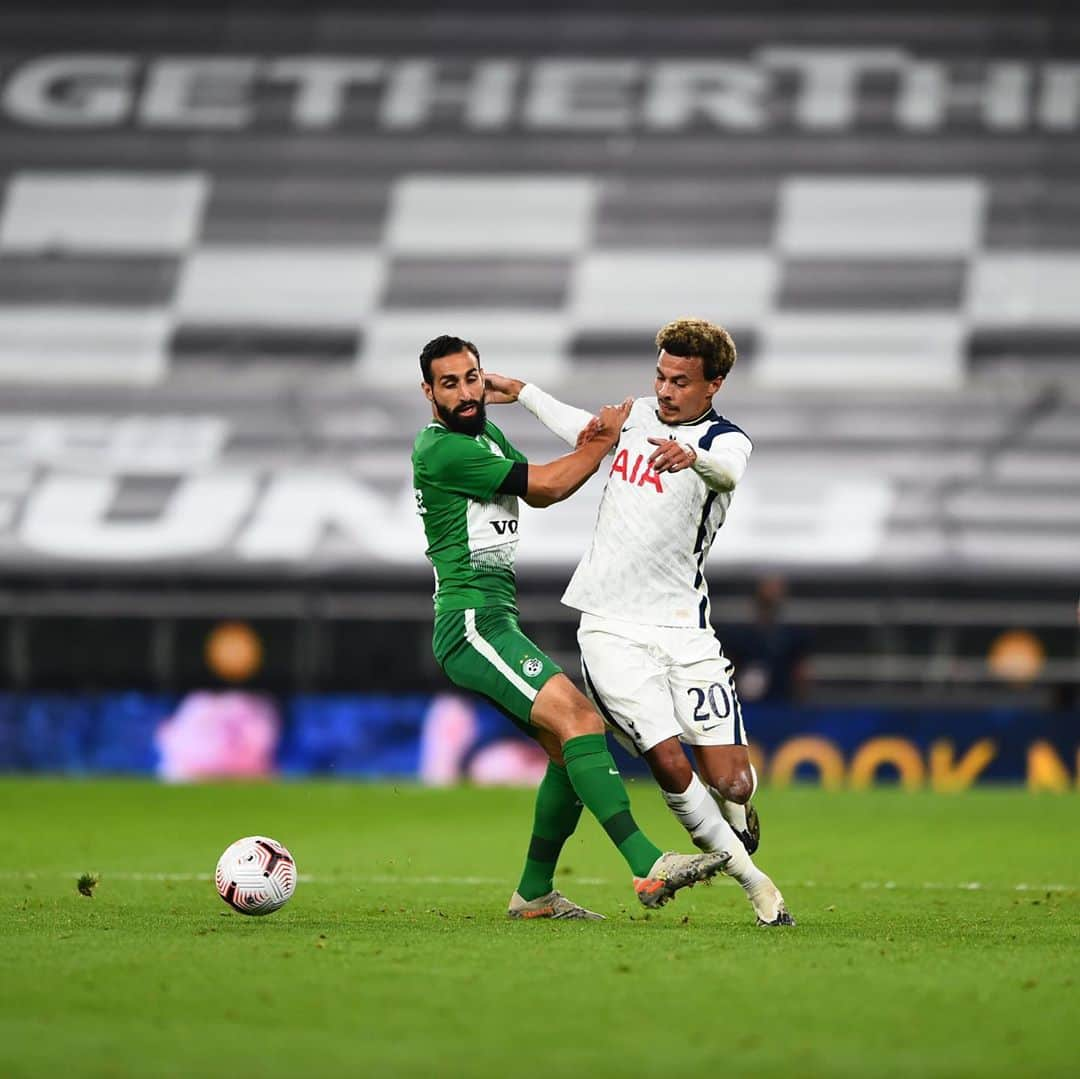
(468, 479)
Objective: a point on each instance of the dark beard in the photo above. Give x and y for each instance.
(464, 425)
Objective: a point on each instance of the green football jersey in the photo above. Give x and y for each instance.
(472, 531)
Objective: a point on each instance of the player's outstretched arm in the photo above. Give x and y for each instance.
(559, 418)
(721, 467)
(560, 478)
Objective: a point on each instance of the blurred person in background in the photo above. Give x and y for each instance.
(468, 479)
(771, 657)
(649, 656)
(457, 742)
(230, 735)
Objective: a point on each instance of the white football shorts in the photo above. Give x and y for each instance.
(654, 682)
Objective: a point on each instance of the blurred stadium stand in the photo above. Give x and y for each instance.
(226, 230)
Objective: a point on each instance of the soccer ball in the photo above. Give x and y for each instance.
(256, 875)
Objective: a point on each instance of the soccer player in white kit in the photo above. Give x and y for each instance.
(650, 659)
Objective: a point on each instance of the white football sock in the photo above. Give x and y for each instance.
(734, 812)
(701, 817)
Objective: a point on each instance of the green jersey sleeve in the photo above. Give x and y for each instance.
(510, 451)
(466, 466)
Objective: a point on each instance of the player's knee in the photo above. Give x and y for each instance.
(582, 719)
(564, 711)
(736, 786)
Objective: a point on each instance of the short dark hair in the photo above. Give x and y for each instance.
(695, 337)
(444, 345)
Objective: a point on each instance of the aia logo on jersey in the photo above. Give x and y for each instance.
(641, 474)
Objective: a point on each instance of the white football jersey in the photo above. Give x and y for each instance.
(646, 562)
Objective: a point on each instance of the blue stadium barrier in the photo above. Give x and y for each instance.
(445, 739)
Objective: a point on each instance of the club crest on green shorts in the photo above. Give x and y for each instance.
(532, 667)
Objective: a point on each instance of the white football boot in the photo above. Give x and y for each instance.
(552, 905)
(672, 871)
(768, 904)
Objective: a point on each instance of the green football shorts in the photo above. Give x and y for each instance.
(483, 649)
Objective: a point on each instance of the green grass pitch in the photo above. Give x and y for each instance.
(395, 958)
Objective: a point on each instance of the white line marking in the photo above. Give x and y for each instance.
(469, 882)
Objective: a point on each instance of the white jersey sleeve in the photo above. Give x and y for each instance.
(646, 560)
(722, 466)
(561, 419)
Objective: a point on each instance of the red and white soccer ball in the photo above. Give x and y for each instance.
(256, 875)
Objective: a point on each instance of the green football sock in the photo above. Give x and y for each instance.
(557, 813)
(598, 784)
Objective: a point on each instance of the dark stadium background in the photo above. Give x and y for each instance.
(226, 230)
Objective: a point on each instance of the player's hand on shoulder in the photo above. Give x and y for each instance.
(590, 431)
(611, 420)
(500, 390)
(671, 456)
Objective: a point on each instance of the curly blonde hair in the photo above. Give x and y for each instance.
(696, 337)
